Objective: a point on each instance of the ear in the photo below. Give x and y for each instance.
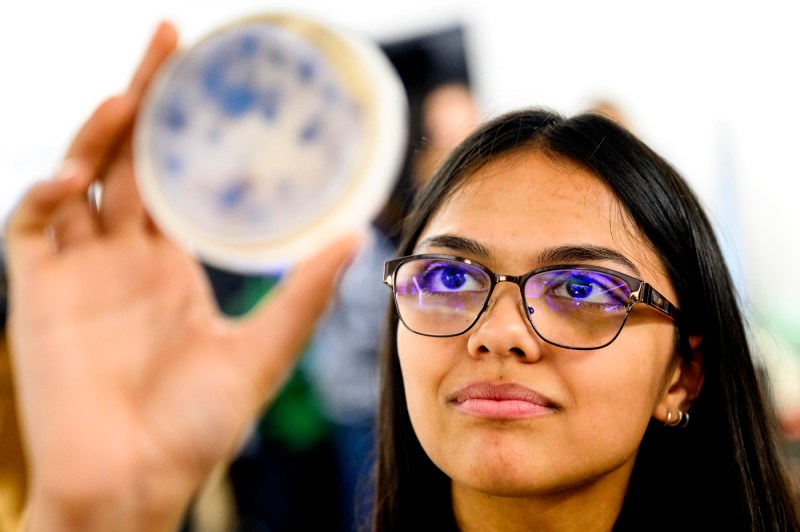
(684, 383)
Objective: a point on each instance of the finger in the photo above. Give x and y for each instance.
(162, 44)
(27, 233)
(279, 328)
(100, 134)
(73, 221)
(121, 204)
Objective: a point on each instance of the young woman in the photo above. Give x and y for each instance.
(562, 312)
(560, 399)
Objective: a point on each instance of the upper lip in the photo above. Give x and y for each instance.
(500, 392)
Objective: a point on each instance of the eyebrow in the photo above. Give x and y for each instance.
(585, 253)
(554, 255)
(457, 244)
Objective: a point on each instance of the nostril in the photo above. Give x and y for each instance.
(516, 351)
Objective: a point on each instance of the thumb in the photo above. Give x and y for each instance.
(277, 330)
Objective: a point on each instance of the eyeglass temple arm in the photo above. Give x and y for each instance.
(650, 296)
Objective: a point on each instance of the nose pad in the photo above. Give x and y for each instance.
(505, 329)
(525, 311)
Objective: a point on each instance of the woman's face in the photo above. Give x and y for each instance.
(587, 410)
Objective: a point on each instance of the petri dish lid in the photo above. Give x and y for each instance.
(267, 138)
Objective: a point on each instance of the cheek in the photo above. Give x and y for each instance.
(619, 388)
(425, 363)
(419, 379)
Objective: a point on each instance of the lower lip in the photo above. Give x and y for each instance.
(509, 409)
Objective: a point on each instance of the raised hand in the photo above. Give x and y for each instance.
(131, 384)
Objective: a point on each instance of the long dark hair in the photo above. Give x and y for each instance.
(725, 470)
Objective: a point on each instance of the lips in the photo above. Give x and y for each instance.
(500, 401)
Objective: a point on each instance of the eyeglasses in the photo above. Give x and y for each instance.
(571, 306)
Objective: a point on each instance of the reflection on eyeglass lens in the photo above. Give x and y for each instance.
(575, 306)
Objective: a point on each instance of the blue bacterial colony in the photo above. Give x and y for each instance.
(217, 160)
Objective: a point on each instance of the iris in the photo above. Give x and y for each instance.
(579, 288)
(453, 278)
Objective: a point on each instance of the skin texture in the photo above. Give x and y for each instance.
(132, 385)
(567, 466)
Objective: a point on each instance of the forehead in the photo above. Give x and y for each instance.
(524, 202)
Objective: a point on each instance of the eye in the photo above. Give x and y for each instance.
(578, 288)
(438, 277)
(586, 287)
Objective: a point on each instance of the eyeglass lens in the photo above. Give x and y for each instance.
(577, 308)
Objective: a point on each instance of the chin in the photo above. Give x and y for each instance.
(508, 486)
(499, 476)
(515, 478)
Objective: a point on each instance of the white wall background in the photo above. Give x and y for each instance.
(697, 79)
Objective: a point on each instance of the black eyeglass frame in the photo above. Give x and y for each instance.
(641, 292)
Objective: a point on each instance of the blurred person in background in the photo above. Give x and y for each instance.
(610, 109)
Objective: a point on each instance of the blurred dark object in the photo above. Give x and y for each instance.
(424, 62)
(288, 458)
(342, 358)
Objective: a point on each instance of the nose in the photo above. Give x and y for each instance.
(503, 328)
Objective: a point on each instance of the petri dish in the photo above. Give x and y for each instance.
(267, 138)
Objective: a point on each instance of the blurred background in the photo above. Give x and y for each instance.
(712, 86)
